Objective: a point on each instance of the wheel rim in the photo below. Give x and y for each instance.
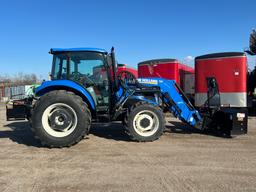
(59, 120)
(146, 123)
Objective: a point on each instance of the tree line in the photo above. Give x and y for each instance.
(20, 79)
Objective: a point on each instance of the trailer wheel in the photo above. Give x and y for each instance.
(144, 122)
(60, 119)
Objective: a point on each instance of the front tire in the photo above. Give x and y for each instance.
(144, 122)
(60, 119)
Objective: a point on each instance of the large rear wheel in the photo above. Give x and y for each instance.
(60, 119)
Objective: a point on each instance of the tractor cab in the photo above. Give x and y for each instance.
(91, 68)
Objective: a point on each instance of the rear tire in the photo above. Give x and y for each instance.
(144, 122)
(60, 119)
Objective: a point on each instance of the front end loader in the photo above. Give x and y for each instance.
(85, 88)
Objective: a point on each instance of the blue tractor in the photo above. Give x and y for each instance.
(84, 88)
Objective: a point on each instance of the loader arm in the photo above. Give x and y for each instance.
(175, 100)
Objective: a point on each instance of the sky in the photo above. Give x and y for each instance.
(138, 29)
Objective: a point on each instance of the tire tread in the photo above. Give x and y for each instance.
(77, 99)
(127, 119)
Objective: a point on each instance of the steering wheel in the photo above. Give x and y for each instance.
(84, 79)
(126, 79)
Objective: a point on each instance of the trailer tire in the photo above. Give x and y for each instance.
(144, 122)
(60, 119)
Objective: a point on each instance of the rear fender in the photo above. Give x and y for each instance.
(48, 86)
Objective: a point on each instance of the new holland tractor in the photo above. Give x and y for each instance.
(84, 88)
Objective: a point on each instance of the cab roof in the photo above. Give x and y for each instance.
(56, 50)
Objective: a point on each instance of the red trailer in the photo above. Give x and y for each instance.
(124, 67)
(99, 70)
(166, 68)
(220, 87)
(229, 69)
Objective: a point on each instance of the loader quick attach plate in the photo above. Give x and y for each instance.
(16, 110)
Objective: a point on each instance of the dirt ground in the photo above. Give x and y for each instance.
(182, 160)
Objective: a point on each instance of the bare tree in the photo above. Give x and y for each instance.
(20, 79)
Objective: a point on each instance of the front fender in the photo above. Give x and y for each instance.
(47, 86)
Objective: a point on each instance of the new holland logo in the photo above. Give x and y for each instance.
(148, 81)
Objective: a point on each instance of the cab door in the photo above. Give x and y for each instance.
(88, 69)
